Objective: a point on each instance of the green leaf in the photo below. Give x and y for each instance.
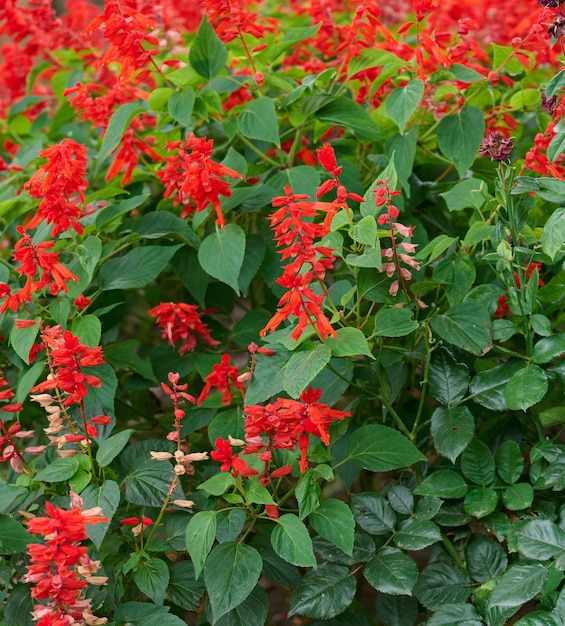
(402, 103)
(183, 589)
(485, 558)
(443, 484)
(229, 524)
(58, 471)
(480, 502)
(256, 493)
(373, 513)
(488, 386)
(466, 325)
(180, 105)
(509, 461)
(207, 55)
(303, 367)
(138, 612)
(117, 126)
(221, 254)
(400, 498)
(111, 447)
(346, 113)
(163, 224)
(151, 575)
(416, 534)
(307, 494)
(137, 268)
(13, 536)
(539, 618)
(448, 379)
(553, 234)
(394, 323)
(455, 614)
(397, 610)
(371, 258)
(323, 593)
(460, 135)
(200, 535)
(258, 120)
(122, 354)
(334, 521)
(106, 496)
(469, 193)
(518, 496)
(231, 573)
(452, 430)
(526, 387)
(106, 217)
(477, 463)
(458, 276)
(268, 379)
(253, 610)
(365, 232)
(291, 541)
(541, 540)
(556, 147)
(518, 585)
(88, 329)
(381, 449)
(218, 484)
(555, 84)
(391, 571)
(148, 483)
(442, 583)
(349, 342)
(21, 339)
(549, 348)
(19, 607)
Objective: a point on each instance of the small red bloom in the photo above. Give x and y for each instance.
(223, 377)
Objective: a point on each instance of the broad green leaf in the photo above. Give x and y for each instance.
(231, 573)
(373, 513)
(229, 524)
(518, 496)
(268, 379)
(416, 534)
(556, 147)
(539, 618)
(221, 254)
(448, 379)
(19, 607)
(371, 257)
(200, 535)
(397, 610)
(365, 232)
(400, 498)
(541, 540)
(253, 610)
(458, 276)
(291, 541)
(469, 193)
(549, 348)
(323, 593)
(485, 558)
(107, 216)
(488, 386)
(349, 342)
(402, 103)
(208, 54)
(442, 583)
(218, 484)
(480, 502)
(23, 338)
(550, 189)
(307, 494)
(13, 536)
(394, 322)
(184, 590)
(452, 430)
(180, 105)
(526, 387)
(163, 224)
(138, 612)
(274, 567)
(381, 449)
(123, 354)
(553, 234)
(303, 367)
(256, 493)
(258, 120)
(477, 463)
(58, 470)
(151, 575)
(518, 585)
(509, 461)
(106, 496)
(334, 521)
(555, 84)
(443, 484)
(12, 497)
(347, 114)
(88, 329)
(137, 268)
(466, 325)
(455, 614)
(117, 126)
(148, 483)
(391, 571)
(435, 248)
(460, 136)
(111, 447)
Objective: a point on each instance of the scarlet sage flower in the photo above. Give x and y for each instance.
(182, 321)
(195, 177)
(230, 19)
(56, 565)
(224, 376)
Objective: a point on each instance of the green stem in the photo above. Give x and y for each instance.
(258, 152)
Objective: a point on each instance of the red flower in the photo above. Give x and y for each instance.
(195, 177)
(223, 376)
(182, 321)
(230, 461)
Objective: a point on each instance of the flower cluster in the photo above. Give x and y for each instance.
(231, 19)
(60, 568)
(224, 377)
(195, 177)
(182, 321)
(58, 182)
(496, 146)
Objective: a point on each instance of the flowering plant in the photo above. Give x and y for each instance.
(282, 308)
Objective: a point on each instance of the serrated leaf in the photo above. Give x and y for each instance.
(334, 521)
(208, 54)
(151, 575)
(229, 524)
(58, 470)
(323, 593)
(365, 232)
(442, 583)
(221, 254)
(541, 540)
(553, 234)
(381, 449)
(349, 342)
(397, 610)
(391, 322)
(218, 484)
(455, 614)
(448, 379)
(291, 541)
(148, 483)
(443, 484)
(391, 571)
(549, 348)
(417, 534)
(526, 387)
(466, 325)
(22, 338)
(477, 463)
(518, 585)
(509, 461)
(518, 496)
(373, 513)
(258, 120)
(488, 387)
(452, 430)
(480, 502)
(303, 367)
(200, 535)
(231, 573)
(253, 610)
(184, 590)
(469, 193)
(346, 113)
(485, 558)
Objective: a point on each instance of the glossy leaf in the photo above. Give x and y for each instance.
(391, 571)
(253, 610)
(518, 496)
(334, 521)
(442, 583)
(111, 447)
(526, 387)
(509, 461)
(416, 534)
(373, 513)
(183, 589)
(291, 541)
(200, 535)
(452, 430)
(106, 496)
(477, 463)
(485, 558)
(442, 483)
(448, 379)
(480, 502)
(518, 585)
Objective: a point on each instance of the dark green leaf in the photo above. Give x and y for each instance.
(460, 135)
(151, 575)
(391, 571)
(549, 348)
(402, 103)
(183, 589)
(488, 387)
(485, 558)
(452, 430)
(455, 614)
(323, 593)
(394, 323)
(269, 375)
(443, 484)
(111, 447)
(539, 618)
(466, 325)
(231, 573)
(442, 583)
(347, 114)
(117, 126)
(106, 496)
(208, 55)
(518, 585)
(180, 105)
(106, 216)
(21, 339)
(526, 387)
(148, 483)
(416, 534)
(19, 607)
(480, 502)
(59, 470)
(509, 461)
(469, 193)
(518, 496)
(380, 449)
(200, 535)
(253, 610)
(400, 499)
(229, 524)
(397, 610)
(477, 463)
(541, 540)
(373, 513)
(221, 254)
(553, 234)
(307, 494)
(291, 541)
(303, 367)
(448, 379)
(334, 521)
(13, 536)
(555, 84)
(258, 120)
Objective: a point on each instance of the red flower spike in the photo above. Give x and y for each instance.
(224, 376)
